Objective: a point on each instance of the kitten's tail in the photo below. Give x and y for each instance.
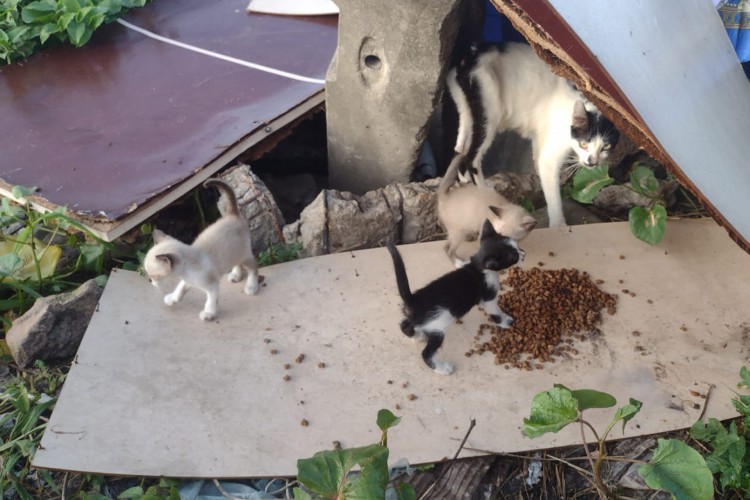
(401, 279)
(451, 174)
(232, 207)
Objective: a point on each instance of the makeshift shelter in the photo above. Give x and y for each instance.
(156, 392)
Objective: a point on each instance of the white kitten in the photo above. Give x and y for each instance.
(508, 87)
(463, 209)
(222, 247)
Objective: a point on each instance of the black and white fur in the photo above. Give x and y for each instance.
(431, 310)
(507, 87)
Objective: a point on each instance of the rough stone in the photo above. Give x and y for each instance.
(257, 205)
(54, 326)
(619, 198)
(382, 86)
(338, 221)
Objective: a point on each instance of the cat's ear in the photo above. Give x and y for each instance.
(168, 259)
(497, 211)
(580, 118)
(487, 230)
(528, 223)
(159, 236)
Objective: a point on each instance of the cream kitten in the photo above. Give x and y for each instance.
(222, 247)
(463, 209)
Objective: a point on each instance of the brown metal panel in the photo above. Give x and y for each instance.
(104, 128)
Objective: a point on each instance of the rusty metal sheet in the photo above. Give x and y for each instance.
(108, 127)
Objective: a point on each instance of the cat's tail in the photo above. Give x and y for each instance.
(451, 174)
(232, 207)
(401, 279)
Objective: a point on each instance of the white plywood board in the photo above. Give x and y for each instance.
(676, 65)
(156, 392)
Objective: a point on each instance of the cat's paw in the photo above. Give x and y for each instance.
(171, 299)
(236, 275)
(443, 368)
(207, 315)
(252, 287)
(503, 320)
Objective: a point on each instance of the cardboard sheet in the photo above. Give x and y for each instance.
(156, 392)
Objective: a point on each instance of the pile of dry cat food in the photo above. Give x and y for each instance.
(551, 309)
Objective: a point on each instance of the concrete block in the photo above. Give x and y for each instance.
(383, 85)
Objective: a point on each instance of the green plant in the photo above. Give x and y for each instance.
(327, 475)
(729, 457)
(23, 407)
(26, 270)
(165, 490)
(27, 25)
(646, 224)
(675, 467)
(279, 253)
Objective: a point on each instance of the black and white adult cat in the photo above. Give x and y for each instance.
(431, 310)
(507, 87)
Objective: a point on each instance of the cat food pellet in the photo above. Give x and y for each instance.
(336, 445)
(632, 294)
(636, 333)
(287, 378)
(622, 257)
(304, 422)
(390, 381)
(300, 358)
(540, 264)
(683, 328)
(405, 385)
(397, 406)
(625, 291)
(650, 301)
(287, 366)
(321, 365)
(552, 310)
(411, 397)
(274, 351)
(551, 254)
(267, 341)
(599, 282)
(620, 282)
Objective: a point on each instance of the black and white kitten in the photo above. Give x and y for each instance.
(507, 87)
(431, 310)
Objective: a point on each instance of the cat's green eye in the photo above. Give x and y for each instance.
(583, 144)
(606, 147)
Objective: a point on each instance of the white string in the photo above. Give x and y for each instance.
(221, 56)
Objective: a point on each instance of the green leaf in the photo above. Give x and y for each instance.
(587, 183)
(39, 12)
(92, 255)
(744, 378)
(626, 412)
(79, 33)
(386, 420)
(300, 494)
(643, 181)
(22, 191)
(678, 469)
(729, 450)
(406, 492)
(589, 398)
(130, 493)
(326, 472)
(648, 225)
(47, 30)
(550, 412)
